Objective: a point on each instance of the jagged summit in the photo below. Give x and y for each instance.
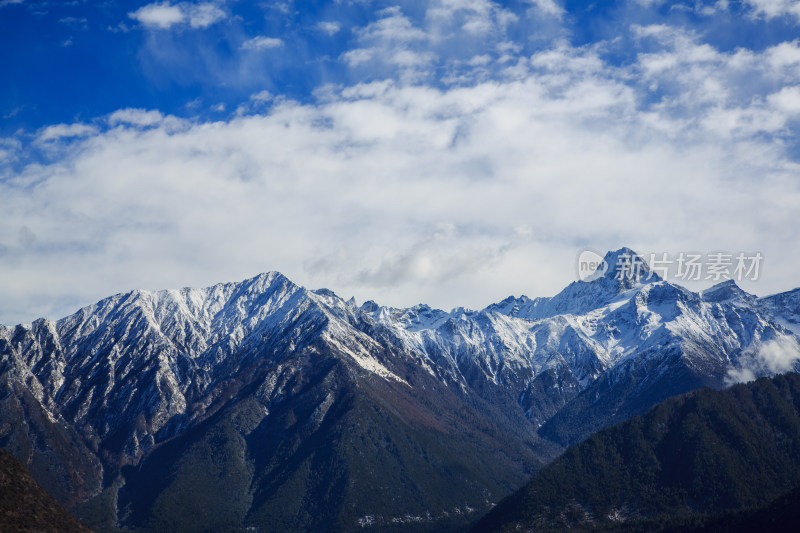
(282, 371)
(628, 267)
(726, 291)
(624, 270)
(620, 271)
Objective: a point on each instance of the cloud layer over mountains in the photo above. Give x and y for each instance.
(464, 151)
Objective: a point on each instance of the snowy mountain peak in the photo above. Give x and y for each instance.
(137, 368)
(522, 307)
(628, 267)
(726, 291)
(625, 270)
(370, 306)
(325, 292)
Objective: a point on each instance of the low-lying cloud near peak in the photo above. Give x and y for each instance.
(774, 357)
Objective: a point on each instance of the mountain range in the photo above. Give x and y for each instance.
(263, 406)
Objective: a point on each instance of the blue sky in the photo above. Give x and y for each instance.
(451, 151)
(68, 61)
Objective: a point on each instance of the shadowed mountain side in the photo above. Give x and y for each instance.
(260, 402)
(693, 456)
(26, 507)
(779, 516)
(337, 454)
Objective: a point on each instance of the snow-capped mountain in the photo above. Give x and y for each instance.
(597, 329)
(144, 378)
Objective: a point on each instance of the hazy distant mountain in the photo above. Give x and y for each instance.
(685, 461)
(263, 404)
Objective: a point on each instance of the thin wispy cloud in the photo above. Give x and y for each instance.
(262, 43)
(75, 22)
(136, 117)
(329, 27)
(548, 7)
(204, 15)
(61, 131)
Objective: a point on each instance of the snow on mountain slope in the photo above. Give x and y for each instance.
(591, 327)
(135, 361)
(136, 368)
(785, 307)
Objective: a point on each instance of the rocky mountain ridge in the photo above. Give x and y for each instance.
(119, 380)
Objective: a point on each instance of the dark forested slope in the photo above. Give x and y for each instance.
(26, 506)
(694, 456)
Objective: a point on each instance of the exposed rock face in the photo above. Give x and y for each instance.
(308, 395)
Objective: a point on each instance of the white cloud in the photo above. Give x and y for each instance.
(158, 15)
(447, 36)
(135, 117)
(435, 259)
(787, 100)
(262, 96)
(730, 93)
(447, 18)
(9, 150)
(204, 15)
(407, 58)
(740, 375)
(393, 27)
(61, 131)
(164, 15)
(776, 356)
(358, 56)
(262, 43)
(329, 27)
(404, 192)
(784, 59)
(256, 102)
(780, 355)
(479, 60)
(775, 8)
(476, 17)
(548, 7)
